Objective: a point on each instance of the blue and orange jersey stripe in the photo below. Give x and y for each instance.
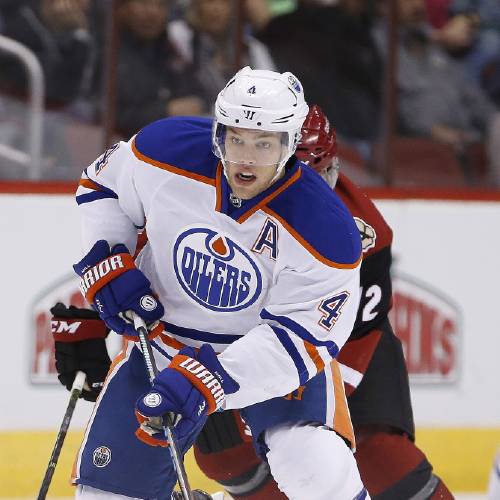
(308, 246)
(171, 168)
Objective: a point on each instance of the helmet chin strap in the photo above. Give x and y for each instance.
(279, 170)
(236, 201)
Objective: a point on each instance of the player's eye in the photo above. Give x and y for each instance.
(236, 140)
(263, 145)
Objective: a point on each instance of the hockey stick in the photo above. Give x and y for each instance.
(149, 360)
(76, 390)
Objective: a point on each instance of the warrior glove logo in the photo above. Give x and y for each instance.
(215, 271)
(148, 303)
(203, 379)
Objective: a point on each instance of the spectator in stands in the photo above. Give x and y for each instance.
(207, 39)
(331, 50)
(260, 12)
(57, 32)
(435, 99)
(153, 79)
(4, 7)
(438, 12)
(471, 34)
(490, 80)
(469, 30)
(454, 33)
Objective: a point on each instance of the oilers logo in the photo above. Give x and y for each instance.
(215, 271)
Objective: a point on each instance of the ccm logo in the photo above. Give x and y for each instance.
(64, 326)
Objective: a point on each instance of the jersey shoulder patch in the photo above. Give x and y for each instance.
(181, 145)
(320, 221)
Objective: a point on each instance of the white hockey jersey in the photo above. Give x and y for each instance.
(272, 285)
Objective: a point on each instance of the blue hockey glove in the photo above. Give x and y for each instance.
(192, 387)
(113, 285)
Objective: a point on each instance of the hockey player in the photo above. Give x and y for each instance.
(233, 266)
(371, 362)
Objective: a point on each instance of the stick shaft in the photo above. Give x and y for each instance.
(76, 390)
(152, 369)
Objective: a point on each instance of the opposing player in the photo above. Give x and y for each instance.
(371, 362)
(232, 266)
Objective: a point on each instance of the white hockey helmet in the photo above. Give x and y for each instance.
(261, 100)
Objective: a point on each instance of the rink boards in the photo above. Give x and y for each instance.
(462, 457)
(446, 280)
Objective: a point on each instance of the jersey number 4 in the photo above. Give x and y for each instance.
(331, 308)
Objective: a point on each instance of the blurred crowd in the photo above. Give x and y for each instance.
(175, 55)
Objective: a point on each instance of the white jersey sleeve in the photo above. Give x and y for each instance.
(309, 316)
(110, 206)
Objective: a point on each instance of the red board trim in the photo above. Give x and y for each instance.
(382, 193)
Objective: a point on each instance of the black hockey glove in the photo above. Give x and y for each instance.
(79, 337)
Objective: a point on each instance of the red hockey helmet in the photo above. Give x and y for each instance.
(318, 144)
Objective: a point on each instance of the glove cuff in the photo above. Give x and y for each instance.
(77, 329)
(202, 378)
(146, 433)
(94, 278)
(152, 333)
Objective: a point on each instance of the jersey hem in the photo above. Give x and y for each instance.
(110, 488)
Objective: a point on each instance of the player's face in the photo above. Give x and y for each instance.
(251, 159)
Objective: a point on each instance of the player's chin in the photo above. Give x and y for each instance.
(245, 193)
(245, 189)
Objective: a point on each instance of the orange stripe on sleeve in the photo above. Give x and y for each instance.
(342, 419)
(87, 183)
(171, 168)
(171, 342)
(174, 343)
(119, 357)
(314, 355)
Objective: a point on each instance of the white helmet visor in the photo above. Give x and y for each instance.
(250, 147)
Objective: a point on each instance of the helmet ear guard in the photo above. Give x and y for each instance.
(261, 100)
